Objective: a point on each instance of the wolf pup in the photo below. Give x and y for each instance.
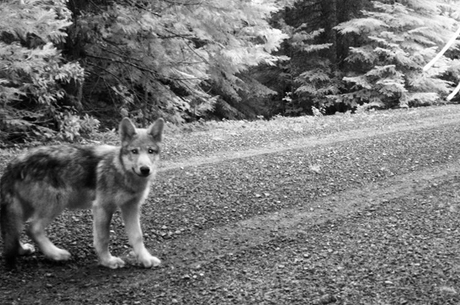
(39, 185)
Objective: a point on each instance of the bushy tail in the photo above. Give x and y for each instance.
(11, 222)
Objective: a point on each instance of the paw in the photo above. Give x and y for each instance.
(58, 255)
(148, 261)
(26, 249)
(113, 262)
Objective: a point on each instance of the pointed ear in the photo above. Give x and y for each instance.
(127, 129)
(156, 129)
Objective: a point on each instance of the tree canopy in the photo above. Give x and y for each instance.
(67, 66)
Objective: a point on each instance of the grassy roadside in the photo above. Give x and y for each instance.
(202, 139)
(211, 138)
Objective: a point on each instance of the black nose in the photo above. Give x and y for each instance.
(145, 171)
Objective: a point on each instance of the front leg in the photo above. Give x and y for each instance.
(131, 214)
(102, 218)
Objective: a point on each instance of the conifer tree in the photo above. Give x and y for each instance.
(33, 70)
(399, 38)
(31, 63)
(174, 58)
(316, 54)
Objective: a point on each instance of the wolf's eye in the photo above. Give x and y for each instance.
(134, 151)
(151, 151)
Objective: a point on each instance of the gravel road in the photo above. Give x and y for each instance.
(343, 210)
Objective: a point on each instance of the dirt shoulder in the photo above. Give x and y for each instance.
(366, 216)
(308, 141)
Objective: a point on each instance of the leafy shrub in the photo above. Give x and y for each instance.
(72, 127)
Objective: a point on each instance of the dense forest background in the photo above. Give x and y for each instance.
(69, 67)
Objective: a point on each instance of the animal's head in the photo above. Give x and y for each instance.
(140, 148)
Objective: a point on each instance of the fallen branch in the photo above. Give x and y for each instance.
(451, 96)
(446, 47)
(438, 56)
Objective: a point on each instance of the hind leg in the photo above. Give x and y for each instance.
(11, 223)
(36, 231)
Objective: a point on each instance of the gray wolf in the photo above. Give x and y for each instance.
(37, 186)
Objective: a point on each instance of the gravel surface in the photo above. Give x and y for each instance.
(336, 210)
